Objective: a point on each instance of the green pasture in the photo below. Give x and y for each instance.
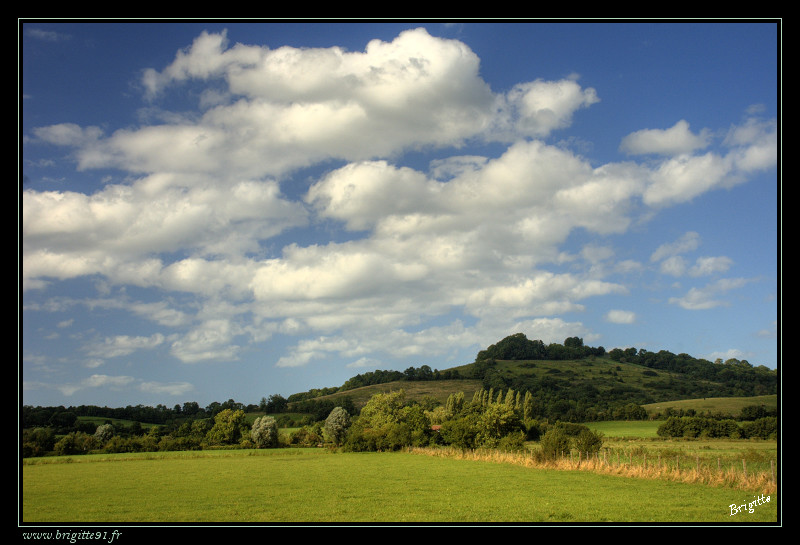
(722, 405)
(640, 440)
(626, 428)
(316, 486)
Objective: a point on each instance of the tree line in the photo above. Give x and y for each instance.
(388, 421)
(501, 420)
(519, 347)
(700, 426)
(497, 419)
(64, 419)
(739, 377)
(228, 428)
(554, 397)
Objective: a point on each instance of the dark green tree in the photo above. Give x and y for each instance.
(671, 427)
(554, 443)
(230, 427)
(276, 404)
(75, 442)
(589, 441)
(37, 442)
(460, 432)
(573, 342)
(497, 421)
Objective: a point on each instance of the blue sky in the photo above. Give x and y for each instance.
(231, 210)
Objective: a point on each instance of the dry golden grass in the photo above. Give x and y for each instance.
(756, 481)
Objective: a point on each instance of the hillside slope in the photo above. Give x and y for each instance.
(589, 387)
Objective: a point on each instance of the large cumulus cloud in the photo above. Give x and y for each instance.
(202, 200)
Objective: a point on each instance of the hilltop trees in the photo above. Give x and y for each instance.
(519, 347)
(319, 409)
(275, 404)
(738, 376)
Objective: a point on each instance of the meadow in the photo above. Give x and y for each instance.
(318, 486)
(637, 443)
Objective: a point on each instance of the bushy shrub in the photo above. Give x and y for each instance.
(461, 432)
(307, 436)
(37, 442)
(533, 429)
(178, 444)
(589, 441)
(671, 427)
(264, 433)
(103, 433)
(397, 436)
(145, 443)
(554, 443)
(230, 427)
(336, 425)
(514, 441)
(358, 439)
(572, 429)
(697, 426)
(761, 428)
(76, 442)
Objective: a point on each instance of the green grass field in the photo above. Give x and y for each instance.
(315, 486)
(627, 428)
(640, 439)
(724, 405)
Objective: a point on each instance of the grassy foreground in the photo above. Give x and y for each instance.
(315, 486)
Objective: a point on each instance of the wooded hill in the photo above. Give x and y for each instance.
(569, 381)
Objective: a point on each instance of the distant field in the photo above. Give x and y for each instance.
(642, 436)
(623, 428)
(725, 405)
(437, 389)
(309, 485)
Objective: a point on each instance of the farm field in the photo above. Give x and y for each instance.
(316, 486)
(723, 405)
(626, 428)
(640, 440)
